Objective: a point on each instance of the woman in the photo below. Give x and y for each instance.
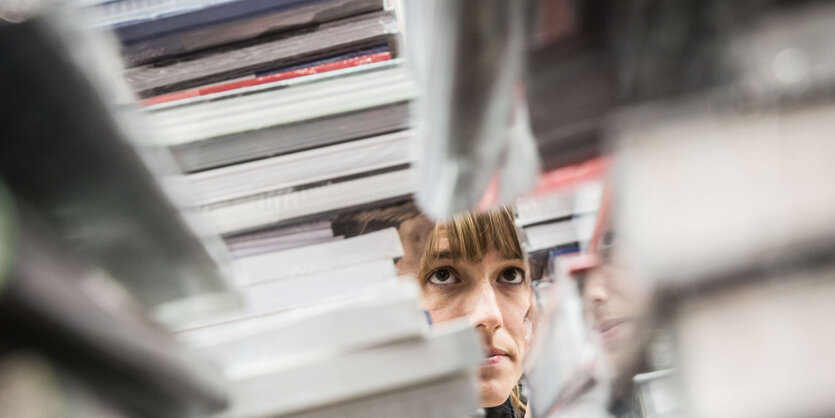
(473, 266)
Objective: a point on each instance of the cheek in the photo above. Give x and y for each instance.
(514, 317)
(442, 307)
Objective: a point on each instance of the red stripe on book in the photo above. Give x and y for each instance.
(301, 72)
(568, 177)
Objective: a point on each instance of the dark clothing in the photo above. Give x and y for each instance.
(504, 410)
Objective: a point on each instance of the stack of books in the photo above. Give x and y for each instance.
(283, 115)
(290, 121)
(560, 216)
(370, 354)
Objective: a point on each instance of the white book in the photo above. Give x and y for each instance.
(302, 291)
(381, 314)
(319, 287)
(280, 243)
(382, 244)
(549, 235)
(306, 167)
(277, 239)
(273, 86)
(537, 209)
(449, 396)
(452, 349)
(187, 124)
(261, 211)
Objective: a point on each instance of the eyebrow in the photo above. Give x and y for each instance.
(446, 255)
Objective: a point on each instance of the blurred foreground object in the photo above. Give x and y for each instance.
(727, 205)
(92, 252)
(368, 354)
(563, 370)
(89, 326)
(468, 58)
(68, 154)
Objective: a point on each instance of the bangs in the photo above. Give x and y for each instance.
(472, 235)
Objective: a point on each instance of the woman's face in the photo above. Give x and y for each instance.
(617, 304)
(495, 294)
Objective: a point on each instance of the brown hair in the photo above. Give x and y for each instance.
(472, 235)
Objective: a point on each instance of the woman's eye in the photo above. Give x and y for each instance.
(442, 276)
(512, 275)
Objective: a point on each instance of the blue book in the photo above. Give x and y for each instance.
(157, 38)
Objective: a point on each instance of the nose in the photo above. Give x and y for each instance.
(486, 315)
(595, 290)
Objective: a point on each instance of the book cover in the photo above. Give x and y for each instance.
(329, 39)
(332, 64)
(192, 39)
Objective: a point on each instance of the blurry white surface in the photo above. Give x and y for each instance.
(382, 313)
(761, 350)
(285, 388)
(712, 192)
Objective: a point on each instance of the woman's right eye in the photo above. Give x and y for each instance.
(442, 276)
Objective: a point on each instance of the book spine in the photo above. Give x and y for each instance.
(316, 69)
(140, 29)
(200, 38)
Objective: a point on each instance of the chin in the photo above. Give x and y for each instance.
(493, 392)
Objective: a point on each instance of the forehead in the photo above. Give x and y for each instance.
(442, 250)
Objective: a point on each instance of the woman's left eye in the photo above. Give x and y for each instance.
(512, 275)
(442, 276)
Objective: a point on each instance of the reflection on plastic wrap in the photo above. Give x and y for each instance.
(467, 56)
(727, 206)
(762, 349)
(564, 371)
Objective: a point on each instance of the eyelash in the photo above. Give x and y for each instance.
(452, 275)
(451, 272)
(519, 272)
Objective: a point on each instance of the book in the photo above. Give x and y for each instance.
(331, 38)
(383, 244)
(331, 65)
(449, 396)
(281, 238)
(380, 314)
(251, 247)
(451, 350)
(193, 38)
(293, 137)
(269, 87)
(576, 230)
(300, 168)
(582, 199)
(316, 286)
(146, 19)
(264, 210)
(243, 126)
(342, 92)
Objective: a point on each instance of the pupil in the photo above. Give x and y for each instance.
(443, 274)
